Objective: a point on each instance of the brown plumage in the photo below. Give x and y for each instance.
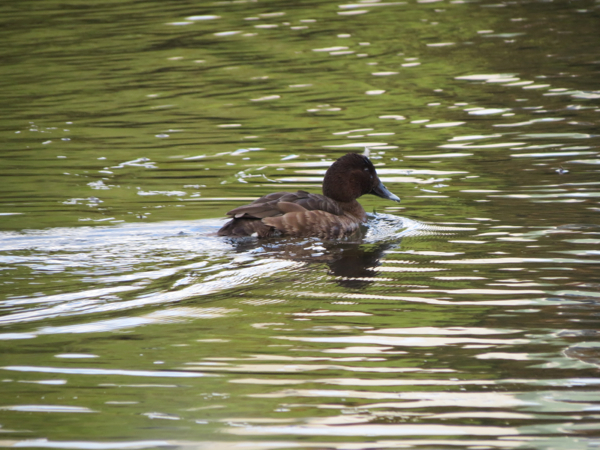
(333, 214)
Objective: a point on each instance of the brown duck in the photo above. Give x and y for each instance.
(334, 214)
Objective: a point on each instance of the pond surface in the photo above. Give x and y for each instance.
(467, 316)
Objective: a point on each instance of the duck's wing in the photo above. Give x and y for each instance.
(319, 202)
(273, 205)
(263, 207)
(293, 213)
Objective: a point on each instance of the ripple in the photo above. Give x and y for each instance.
(444, 124)
(420, 341)
(375, 430)
(203, 17)
(496, 77)
(47, 409)
(120, 372)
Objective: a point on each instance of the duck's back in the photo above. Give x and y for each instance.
(290, 213)
(267, 206)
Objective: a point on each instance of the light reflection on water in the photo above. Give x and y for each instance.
(467, 315)
(358, 350)
(95, 255)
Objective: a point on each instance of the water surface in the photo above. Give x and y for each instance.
(464, 317)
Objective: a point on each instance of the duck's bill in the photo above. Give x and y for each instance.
(381, 191)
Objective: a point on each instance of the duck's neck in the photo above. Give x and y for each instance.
(355, 209)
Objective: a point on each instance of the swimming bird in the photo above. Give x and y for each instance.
(333, 214)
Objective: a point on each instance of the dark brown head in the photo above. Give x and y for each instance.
(351, 176)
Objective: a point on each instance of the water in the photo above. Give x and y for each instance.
(465, 317)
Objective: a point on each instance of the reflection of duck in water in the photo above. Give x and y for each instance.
(352, 262)
(334, 214)
(357, 265)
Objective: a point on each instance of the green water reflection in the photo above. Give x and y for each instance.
(466, 318)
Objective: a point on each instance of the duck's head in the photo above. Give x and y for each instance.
(351, 176)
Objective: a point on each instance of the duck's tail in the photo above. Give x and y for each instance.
(239, 227)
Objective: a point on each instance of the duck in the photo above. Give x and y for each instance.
(332, 215)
